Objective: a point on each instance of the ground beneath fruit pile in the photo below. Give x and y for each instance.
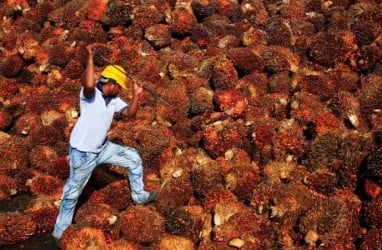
(37, 242)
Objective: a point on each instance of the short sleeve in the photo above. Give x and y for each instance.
(120, 105)
(83, 98)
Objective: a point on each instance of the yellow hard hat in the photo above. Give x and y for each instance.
(115, 72)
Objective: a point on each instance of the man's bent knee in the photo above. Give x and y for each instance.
(72, 190)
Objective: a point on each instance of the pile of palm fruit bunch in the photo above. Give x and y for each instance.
(267, 133)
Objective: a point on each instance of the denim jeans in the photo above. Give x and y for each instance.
(82, 165)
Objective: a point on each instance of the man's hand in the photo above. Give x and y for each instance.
(89, 49)
(138, 86)
(133, 107)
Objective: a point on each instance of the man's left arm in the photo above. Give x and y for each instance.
(131, 111)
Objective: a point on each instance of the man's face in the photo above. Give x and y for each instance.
(114, 88)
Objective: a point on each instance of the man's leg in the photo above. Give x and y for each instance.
(130, 159)
(81, 167)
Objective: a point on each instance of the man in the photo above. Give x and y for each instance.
(88, 144)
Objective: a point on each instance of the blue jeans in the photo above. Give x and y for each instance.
(82, 165)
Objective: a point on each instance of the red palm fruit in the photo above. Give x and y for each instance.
(278, 58)
(285, 171)
(176, 94)
(242, 179)
(58, 54)
(319, 85)
(21, 178)
(280, 202)
(322, 180)
(116, 195)
(368, 95)
(6, 119)
(332, 218)
(59, 167)
(232, 158)
(224, 211)
(8, 88)
(141, 224)
(15, 227)
(204, 176)
(202, 9)
(367, 57)
(345, 79)
(371, 212)
(280, 83)
(224, 135)
(200, 36)
(146, 15)
(364, 31)
(353, 149)
(8, 187)
(89, 31)
(341, 154)
(289, 140)
(182, 21)
(149, 70)
(152, 142)
(43, 210)
(292, 10)
(322, 152)
(41, 157)
(323, 120)
(371, 239)
(174, 242)
(179, 222)
(77, 237)
(328, 49)
(13, 157)
(254, 36)
(232, 102)
(43, 184)
(346, 106)
(115, 15)
(278, 33)
(263, 134)
(181, 66)
(42, 100)
(255, 11)
(73, 69)
(11, 66)
(123, 244)
(224, 75)
(96, 9)
(227, 9)
(158, 35)
(46, 135)
(26, 123)
(273, 105)
(371, 188)
(201, 101)
(96, 215)
(176, 191)
(245, 60)
(217, 195)
(243, 224)
(199, 218)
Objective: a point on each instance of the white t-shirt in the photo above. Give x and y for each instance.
(95, 119)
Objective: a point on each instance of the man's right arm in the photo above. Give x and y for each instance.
(89, 81)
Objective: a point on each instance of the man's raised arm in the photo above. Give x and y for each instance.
(89, 81)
